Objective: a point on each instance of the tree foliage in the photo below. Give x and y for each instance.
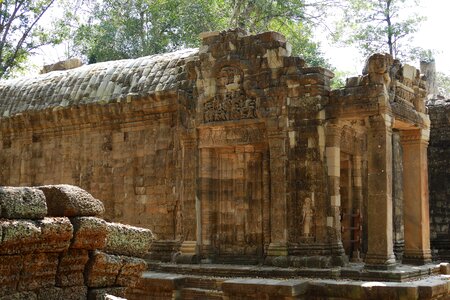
(380, 26)
(443, 84)
(20, 32)
(155, 26)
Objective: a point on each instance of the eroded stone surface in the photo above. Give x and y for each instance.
(22, 203)
(128, 240)
(71, 201)
(48, 258)
(89, 233)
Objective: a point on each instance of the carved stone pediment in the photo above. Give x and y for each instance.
(230, 102)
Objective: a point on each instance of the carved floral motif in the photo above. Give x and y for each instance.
(230, 106)
(230, 102)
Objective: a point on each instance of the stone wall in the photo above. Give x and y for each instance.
(55, 245)
(439, 177)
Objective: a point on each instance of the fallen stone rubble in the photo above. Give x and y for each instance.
(55, 245)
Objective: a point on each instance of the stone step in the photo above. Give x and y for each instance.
(206, 283)
(201, 294)
(154, 285)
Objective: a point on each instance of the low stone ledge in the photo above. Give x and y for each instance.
(22, 203)
(27, 236)
(71, 201)
(89, 233)
(128, 240)
(262, 288)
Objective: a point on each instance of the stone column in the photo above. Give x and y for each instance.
(278, 213)
(333, 157)
(190, 210)
(415, 195)
(397, 195)
(380, 253)
(357, 204)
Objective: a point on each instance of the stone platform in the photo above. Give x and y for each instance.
(160, 285)
(354, 271)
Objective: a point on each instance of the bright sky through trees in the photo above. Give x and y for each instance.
(432, 35)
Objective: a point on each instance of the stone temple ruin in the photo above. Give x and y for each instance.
(238, 153)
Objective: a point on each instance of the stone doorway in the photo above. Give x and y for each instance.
(351, 217)
(238, 205)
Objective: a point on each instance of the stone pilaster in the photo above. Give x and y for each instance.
(190, 211)
(380, 253)
(278, 171)
(333, 223)
(415, 192)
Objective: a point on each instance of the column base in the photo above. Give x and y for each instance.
(380, 262)
(277, 249)
(277, 255)
(188, 253)
(416, 257)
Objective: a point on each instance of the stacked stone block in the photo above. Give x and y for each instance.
(439, 177)
(55, 245)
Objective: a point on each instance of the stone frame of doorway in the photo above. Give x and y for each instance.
(414, 141)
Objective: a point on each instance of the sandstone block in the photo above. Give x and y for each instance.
(105, 270)
(39, 270)
(75, 293)
(102, 269)
(22, 203)
(51, 293)
(128, 240)
(27, 236)
(10, 267)
(71, 268)
(71, 201)
(89, 233)
(131, 271)
(21, 296)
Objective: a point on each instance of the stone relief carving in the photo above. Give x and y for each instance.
(307, 217)
(230, 102)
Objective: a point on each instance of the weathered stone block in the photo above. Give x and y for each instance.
(75, 293)
(71, 268)
(131, 271)
(71, 201)
(39, 270)
(128, 240)
(105, 270)
(50, 293)
(10, 268)
(22, 203)
(21, 296)
(89, 233)
(26, 236)
(102, 269)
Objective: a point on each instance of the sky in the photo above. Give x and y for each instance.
(432, 34)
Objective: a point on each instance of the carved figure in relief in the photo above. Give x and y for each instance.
(230, 102)
(307, 217)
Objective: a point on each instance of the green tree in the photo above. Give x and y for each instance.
(443, 84)
(20, 33)
(380, 26)
(154, 26)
